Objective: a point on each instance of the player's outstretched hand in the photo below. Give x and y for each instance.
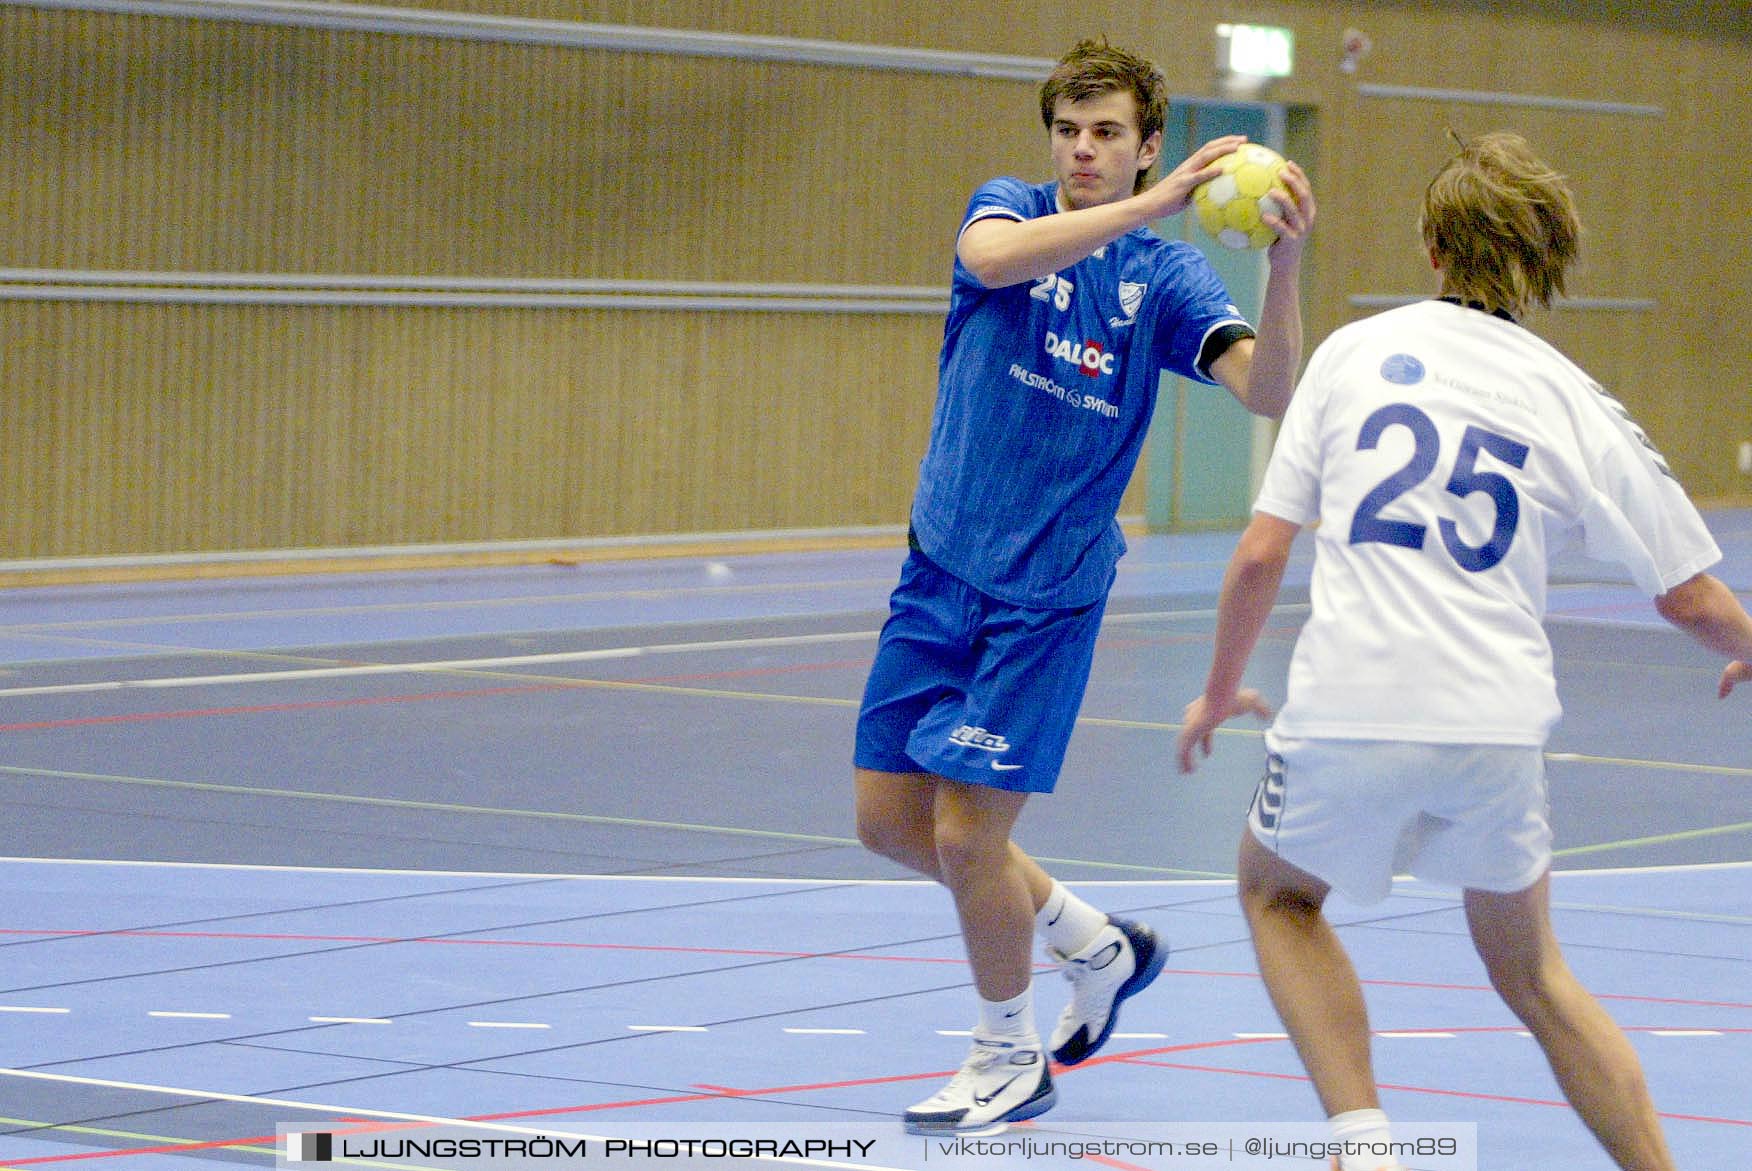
(1199, 724)
(1737, 672)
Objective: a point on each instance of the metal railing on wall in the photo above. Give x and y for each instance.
(221, 288)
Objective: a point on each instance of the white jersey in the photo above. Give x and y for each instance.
(1446, 454)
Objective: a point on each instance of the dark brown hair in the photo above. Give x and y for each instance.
(1093, 68)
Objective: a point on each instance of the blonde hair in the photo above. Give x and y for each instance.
(1501, 224)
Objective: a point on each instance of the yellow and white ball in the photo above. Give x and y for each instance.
(1229, 207)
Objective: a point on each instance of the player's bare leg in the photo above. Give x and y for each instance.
(1309, 977)
(1594, 1062)
(959, 834)
(995, 894)
(897, 818)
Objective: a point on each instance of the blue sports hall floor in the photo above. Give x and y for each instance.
(560, 848)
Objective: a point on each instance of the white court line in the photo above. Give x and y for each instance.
(31, 1008)
(827, 1032)
(508, 1025)
(443, 665)
(667, 1028)
(368, 1112)
(1685, 1032)
(190, 1016)
(349, 1020)
(435, 665)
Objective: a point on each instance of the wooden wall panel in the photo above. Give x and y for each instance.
(227, 427)
(155, 144)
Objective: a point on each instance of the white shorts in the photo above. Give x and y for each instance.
(1353, 813)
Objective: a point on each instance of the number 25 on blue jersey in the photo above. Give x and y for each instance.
(1368, 524)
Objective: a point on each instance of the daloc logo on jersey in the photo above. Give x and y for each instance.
(1089, 358)
(1402, 370)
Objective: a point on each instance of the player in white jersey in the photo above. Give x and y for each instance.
(1063, 313)
(1444, 452)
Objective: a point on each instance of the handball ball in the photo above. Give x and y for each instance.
(1229, 206)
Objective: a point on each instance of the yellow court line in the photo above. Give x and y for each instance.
(428, 607)
(1656, 839)
(132, 1136)
(533, 814)
(1721, 770)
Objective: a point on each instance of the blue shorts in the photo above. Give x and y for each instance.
(971, 688)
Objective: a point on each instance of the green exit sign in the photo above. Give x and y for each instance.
(1255, 50)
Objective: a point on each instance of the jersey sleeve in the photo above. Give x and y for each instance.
(1006, 198)
(1196, 307)
(1636, 512)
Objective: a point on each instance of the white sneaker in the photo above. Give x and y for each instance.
(1117, 964)
(1000, 1082)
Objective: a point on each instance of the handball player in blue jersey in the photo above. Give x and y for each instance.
(1065, 310)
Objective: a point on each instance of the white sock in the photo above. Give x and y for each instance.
(1066, 922)
(1367, 1127)
(1008, 1020)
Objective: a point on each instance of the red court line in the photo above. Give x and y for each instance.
(1138, 1057)
(167, 1149)
(1472, 1095)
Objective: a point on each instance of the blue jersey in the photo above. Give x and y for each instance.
(1044, 394)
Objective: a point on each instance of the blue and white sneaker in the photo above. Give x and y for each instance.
(1000, 1082)
(1117, 964)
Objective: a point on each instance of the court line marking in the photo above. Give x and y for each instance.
(355, 1112)
(412, 607)
(169, 1144)
(340, 670)
(286, 868)
(508, 1025)
(775, 835)
(532, 814)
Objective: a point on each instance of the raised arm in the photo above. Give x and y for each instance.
(1708, 611)
(1261, 373)
(1003, 252)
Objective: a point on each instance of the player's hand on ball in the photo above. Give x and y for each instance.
(1255, 198)
(1199, 723)
(1197, 169)
(1294, 222)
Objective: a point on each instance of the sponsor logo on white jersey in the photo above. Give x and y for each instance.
(1402, 370)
